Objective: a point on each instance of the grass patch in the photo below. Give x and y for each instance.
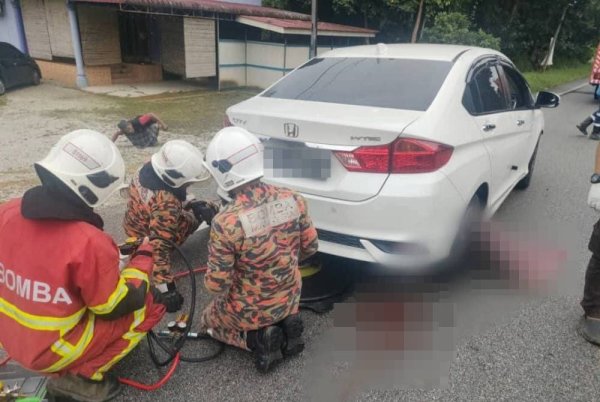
(555, 76)
(191, 113)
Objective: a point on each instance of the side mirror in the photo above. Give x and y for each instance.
(547, 99)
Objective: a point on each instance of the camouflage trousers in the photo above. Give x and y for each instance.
(222, 325)
(186, 225)
(218, 321)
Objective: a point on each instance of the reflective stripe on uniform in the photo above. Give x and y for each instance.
(38, 322)
(134, 273)
(132, 336)
(69, 353)
(113, 300)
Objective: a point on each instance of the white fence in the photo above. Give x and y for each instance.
(258, 64)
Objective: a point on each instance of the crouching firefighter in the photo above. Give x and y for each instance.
(65, 308)
(256, 243)
(158, 209)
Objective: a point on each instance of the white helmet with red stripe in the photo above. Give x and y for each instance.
(88, 163)
(178, 162)
(234, 157)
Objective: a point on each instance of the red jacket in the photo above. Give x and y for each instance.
(56, 278)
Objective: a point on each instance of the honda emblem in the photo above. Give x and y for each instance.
(291, 130)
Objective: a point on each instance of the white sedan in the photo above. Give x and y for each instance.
(393, 145)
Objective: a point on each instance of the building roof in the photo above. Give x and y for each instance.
(213, 6)
(303, 27)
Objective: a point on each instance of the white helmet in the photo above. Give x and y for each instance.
(234, 157)
(178, 162)
(88, 163)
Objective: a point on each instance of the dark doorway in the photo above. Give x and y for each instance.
(135, 32)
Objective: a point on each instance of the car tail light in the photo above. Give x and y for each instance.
(226, 121)
(405, 155)
(416, 156)
(366, 159)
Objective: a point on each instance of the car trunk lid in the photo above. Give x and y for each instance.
(301, 136)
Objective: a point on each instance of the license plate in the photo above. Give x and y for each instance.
(296, 160)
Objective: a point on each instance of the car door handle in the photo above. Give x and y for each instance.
(520, 122)
(488, 127)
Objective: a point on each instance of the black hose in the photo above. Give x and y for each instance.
(172, 350)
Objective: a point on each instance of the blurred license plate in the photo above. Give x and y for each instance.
(290, 159)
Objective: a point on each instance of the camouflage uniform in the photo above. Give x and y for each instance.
(255, 245)
(158, 213)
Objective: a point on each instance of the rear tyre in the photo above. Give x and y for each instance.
(524, 183)
(35, 79)
(466, 234)
(2, 87)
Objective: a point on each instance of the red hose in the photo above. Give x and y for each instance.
(186, 273)
(157, 385)
(4, 361)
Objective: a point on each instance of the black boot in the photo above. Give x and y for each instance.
(75, 388)
(266, 344)
(589, 329)
(582, 127)
(292, 327)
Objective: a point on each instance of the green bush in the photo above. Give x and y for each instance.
(455, 28)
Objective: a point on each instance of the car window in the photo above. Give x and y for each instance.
(391, 83)
(519, 94)
(490, 90)
(471, 99)
(9, 52)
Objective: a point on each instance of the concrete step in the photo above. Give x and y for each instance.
(122, 75)
(125, 80)
(119, 68)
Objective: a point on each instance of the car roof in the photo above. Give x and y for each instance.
(410, 51)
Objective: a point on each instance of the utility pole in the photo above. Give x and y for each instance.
(313, 32)
(548, 60)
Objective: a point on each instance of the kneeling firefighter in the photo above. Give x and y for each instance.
(158, 209)
(65, 308)
(256, 243)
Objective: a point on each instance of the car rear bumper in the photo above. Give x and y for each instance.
(411, 222)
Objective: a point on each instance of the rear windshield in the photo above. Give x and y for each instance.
(391, 83)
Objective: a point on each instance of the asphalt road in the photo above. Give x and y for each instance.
(420, 339)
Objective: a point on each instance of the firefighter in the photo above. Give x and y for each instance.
(256, 242)
(65, 308)
(589, 327)
(159, 208)
(594, 119)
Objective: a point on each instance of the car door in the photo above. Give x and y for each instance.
(522, 114)
(7, 66)
(16, 66)
(489, 108)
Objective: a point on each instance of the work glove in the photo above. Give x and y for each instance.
(204, 211)
(594, 197)
(170, 298)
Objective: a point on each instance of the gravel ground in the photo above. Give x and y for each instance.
(478, 337)
(34, 118)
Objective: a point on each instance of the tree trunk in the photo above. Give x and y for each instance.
(415, 32)
(513, 12)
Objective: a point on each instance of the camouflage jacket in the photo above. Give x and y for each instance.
(255, 245)
(158, 213)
